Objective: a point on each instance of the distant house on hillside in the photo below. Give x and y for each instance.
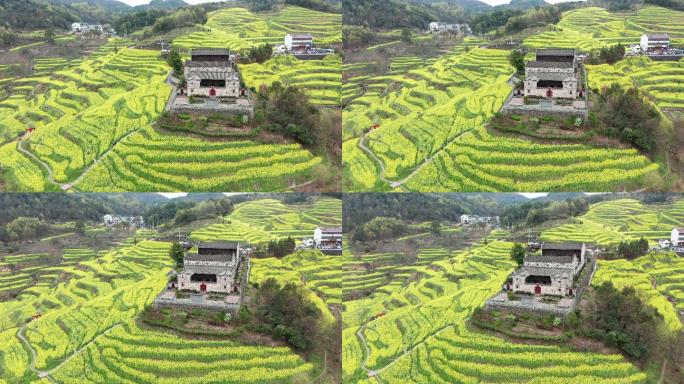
(654, 41)
(134, 222)
(677, 237)
(327, 237)
(552, 273)
(298, 41)
(79, 27)
(553, 74)
(212, 269)
(211, 72)
(439, 27)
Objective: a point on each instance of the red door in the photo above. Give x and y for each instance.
(212, 92)
(203, 287)
(570, 292)
(537, 290)
(549, 93)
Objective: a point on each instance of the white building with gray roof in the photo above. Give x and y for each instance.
(553, 74)
(212, 269)
(552, 273)
(211, 72)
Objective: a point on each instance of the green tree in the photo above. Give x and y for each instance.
(175, 62)
(435, 227)
(79, 227)
(406, 35)
(50, 36)
(517, 60)
(518, 253)
(177, 253)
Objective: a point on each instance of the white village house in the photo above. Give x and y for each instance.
(212, 269)
(654, 41)
(211, 72)
(133, 221)
(552, 273)
(553, 74)
(677, 237)
(327, 236)
(470, 219)
(298, 41)
(440, 27)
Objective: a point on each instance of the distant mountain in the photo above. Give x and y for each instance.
(466, 5)
(162, 4)
(522, 4)
(109, 5)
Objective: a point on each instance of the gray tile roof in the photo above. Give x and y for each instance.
(209, 270)
(658, 36)
(549, 75)
(230, 245)
(555, 52)
(549, 64)
(551, 259)
(197, 257)
(331, 229)
(210, 52)
(207, 64)
(556, 272)
(563, 246)
(301, 35)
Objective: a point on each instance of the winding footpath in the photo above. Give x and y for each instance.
(400, 184)
(68, 186)
(46, 374)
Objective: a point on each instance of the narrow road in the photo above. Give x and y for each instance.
(76, 352)
(399, 184)
(325, 368)
(662, 372)
(43, 374)
(51, 179)
(32, 363)
(67, 186)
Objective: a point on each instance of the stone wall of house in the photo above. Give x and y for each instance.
(519, 307)
(558, 286)
(223, 284)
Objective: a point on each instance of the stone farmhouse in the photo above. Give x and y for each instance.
(326, 237)
(552, 273)
(298, 41)
(212, 72)
(654, 41)
(554, 74)
(212, 269)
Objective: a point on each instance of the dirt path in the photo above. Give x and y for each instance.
(46, 374)
(324, 370)
(67, 186)
(662, 372)
(51, 179)
(376, 373)
(32, 363)
(399, 184)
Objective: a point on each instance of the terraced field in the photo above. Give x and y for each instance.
(263, 220)
(94, 133)
(412, 327)
(319, 273)
(613, 221)
(659, 278)
(87, 331)
(431, 135)
(591, 28)
(661, 81)
(239, 29)
(320, 79)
